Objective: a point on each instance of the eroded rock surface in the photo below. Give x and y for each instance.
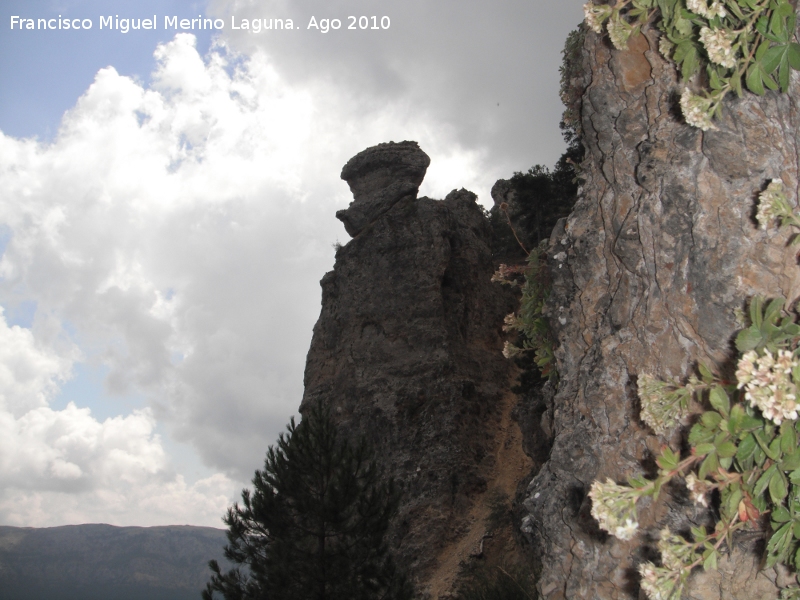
(379, 178)
(649, 270)
(407, 349)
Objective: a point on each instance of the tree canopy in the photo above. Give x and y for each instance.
(314, 526)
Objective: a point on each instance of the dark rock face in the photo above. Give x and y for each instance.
(407, 349)
(379, 178)
(649, 270)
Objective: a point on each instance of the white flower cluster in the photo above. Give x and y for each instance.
(595, 15)
(719, 45)
(697, 110)
(510, 322)
(614, 507)
(503, 274)
(665, 47)
(659, 583)
(663, 404)
(619, 30)
(666, 583)
(768, 383)
(510, 350)
(699, 489)
(772, 204)
(701, 7)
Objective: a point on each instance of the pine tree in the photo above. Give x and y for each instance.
(314, 526)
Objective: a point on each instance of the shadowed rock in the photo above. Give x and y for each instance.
(379, 178)
(407, 348)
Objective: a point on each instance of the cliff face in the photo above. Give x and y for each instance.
(649, 270)
(407, 351)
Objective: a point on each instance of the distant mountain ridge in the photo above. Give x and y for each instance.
(94, 562)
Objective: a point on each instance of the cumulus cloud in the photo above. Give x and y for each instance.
(487, 72)
(60, 466)
(174, 234)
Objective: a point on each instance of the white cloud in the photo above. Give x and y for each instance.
(175, 235)
(65, 466)
(29, 374)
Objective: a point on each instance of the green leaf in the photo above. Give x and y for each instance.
(726, 449)
(781, 515)
(719, 400)
(779, 545)
(751, 423)
(735, 419)
(772, 59)
(775, 449)
(769, 82)
(761, 25)
(759, 456)
(756, 316)
(784, 9)
(709, 465)
(783, 74)
(754, 84)
(746, 447)
(711, 419)
(777, 25)
(736, 84)
(703, 449)
(710, 561)
(791, 462)
(731, 502)
(683, 26)
(705, 373)
(794, 476)
(773, 311)
(668, 459)
(788, 437)
(748, 339)
(794, 56)
(778, 487)
(699, 534)
(764, 481)
(698, 434)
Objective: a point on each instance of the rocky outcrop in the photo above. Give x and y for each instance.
(407, 349)
(649, 271)
(379, 178)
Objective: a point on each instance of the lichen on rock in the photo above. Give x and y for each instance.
(662, 250)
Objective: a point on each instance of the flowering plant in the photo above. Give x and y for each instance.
(745, 448)
(737, 43)
(529, 320)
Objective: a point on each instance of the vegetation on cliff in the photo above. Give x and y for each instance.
(314, 526)
(743, 460)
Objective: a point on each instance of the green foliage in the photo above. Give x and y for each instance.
(313, 527)
(499, 583)
(569, 90)
(529, 321)
(735, 44)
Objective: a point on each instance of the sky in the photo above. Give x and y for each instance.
(167, 201)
